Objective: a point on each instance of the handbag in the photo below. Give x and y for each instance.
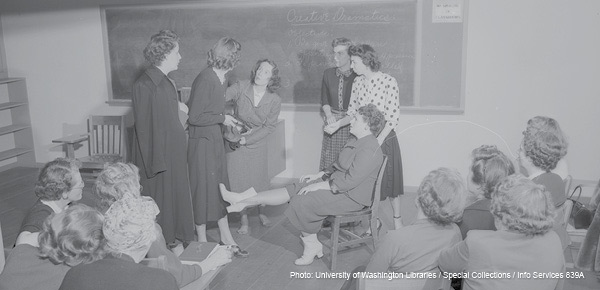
(581, 215)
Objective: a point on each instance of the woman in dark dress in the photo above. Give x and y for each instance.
(159, 144)
(206, 151)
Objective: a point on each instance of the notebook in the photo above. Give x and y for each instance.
(196, 252)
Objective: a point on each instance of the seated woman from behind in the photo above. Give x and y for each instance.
(69, 238)
(523, 242)
(343, 188)
(538, 156)
(129, 229)
(488, 167)
(119, 180)
(59, 183)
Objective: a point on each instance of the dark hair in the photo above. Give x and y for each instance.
(225, 54)
(159, 46)
(367, 54)
(274, 82)
(56, 178)
(341, 41)
(373, 117)
(489, 167)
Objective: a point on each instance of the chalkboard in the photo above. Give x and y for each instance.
(296, 36)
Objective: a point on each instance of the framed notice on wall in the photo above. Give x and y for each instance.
(447, 11)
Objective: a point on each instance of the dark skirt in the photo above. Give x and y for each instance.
(392, 184)
(208, 168)
(307, 212)
(333, 144)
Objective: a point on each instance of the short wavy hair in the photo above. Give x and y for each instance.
(56, 178)
(522, 206)
(73, 236)
(374, 118)
(367, 54)
(488, 167)
(442, 196)
(546, 124)
(275, 81)
(341, 41)
(115, 181)
(225, 54)
(544, 149)
(159, 46)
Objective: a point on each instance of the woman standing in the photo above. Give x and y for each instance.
(372, 86)
(159, 143)
(258, 106)
(206, 151)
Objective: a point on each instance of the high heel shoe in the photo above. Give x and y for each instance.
(312, 249)
(232, 197)
(237, 251)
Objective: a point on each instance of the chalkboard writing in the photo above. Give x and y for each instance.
(296, 36)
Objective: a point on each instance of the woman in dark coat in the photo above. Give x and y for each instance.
(159, 143)
(206, 150)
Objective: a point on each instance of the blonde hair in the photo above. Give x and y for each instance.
(114, 182)
(442, 196)
(225, 54)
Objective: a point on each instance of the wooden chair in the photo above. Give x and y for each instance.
(106, 144)
(341, 237)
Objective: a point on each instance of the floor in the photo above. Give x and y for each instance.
(272, 249)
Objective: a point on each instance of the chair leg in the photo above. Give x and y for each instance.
(335, 236)
(375, 231)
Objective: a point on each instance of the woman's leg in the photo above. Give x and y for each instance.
(201, 232)
(264, 220)
(224, 231)
(243, 230)
(270, 197)
(396, 211)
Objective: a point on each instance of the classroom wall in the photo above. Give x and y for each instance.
(524, 58)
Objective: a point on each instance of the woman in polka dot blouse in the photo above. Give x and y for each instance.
(381, 89)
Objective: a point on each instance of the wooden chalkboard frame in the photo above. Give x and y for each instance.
(427, 50)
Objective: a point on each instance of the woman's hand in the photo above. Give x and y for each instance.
(221, 256)
(230, 121)
(243, 141)
(332, 128)
(314, 187)
(330, 119)
(311, 177)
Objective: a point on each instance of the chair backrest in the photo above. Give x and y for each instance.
(107, 135)
(377, 190)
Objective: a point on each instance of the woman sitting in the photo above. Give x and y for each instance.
(345, 187)
(488, 168)
(538, 155)
(523, 242)
(129, 228)
(69, 238)
(119, 180)
(59, 183)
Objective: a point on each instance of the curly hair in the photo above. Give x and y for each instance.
(374, 118)
(115, 181)
(489, 167)
(522, 206)
(275, 81)
(442, 196)
(544, 149)
(159, 46)
(341, 41)
(73, 236)
(56, 178)
(225, 54)
(546, 124)
(367, 54)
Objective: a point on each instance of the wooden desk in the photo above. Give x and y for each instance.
(70, 141)
(204, 281)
